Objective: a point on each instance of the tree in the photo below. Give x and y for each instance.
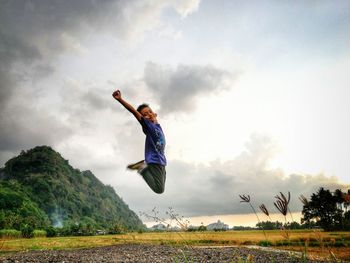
(268, 225)
(324, 208)
(294, 225)
(202, 228)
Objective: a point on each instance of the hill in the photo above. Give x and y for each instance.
(40, 188)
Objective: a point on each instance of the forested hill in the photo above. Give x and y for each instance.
(40, 188)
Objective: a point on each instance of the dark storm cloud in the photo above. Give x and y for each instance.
(13, 48)
(177, 89)
(36, 28)
(21, 131)
(6, 86)
(32, 33)
(29, 19)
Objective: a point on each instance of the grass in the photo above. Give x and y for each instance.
(298, 240)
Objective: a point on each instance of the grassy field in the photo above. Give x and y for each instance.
(312, 241)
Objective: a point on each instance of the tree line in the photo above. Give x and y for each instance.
(327, 210)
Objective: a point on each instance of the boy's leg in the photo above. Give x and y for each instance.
(155, 176)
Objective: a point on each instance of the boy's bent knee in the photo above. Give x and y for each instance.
(159, 190)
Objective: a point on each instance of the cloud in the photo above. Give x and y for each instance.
(28, 127)
(6, 88)
(31, 37)
(37, 105)
(178, 89)
(214, 188)
(186, 7)
(33, 34)
(34, 28)
(138, 17)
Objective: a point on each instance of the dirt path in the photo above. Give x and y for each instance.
(151, 253)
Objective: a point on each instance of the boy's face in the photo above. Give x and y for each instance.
(148, 114)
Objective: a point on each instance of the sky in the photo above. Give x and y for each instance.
(253, 96)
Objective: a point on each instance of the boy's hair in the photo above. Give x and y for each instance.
(142, 106)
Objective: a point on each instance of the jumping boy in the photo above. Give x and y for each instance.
(152, 169)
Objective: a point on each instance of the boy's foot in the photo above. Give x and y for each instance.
(137, 166)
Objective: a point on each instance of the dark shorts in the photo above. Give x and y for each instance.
(154, 175)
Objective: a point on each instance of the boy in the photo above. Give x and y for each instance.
(152, 169)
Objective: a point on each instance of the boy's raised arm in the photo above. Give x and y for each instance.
(118, 96)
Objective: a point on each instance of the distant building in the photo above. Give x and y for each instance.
(218, 226)
(175, 228)
(100, 232)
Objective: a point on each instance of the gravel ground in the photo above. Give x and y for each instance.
(152, 254)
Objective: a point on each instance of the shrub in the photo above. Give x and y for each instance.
(117, 228)
(340, 243)
(10, 233)
(202, 228)
(51, 231)
(219, 229)
(265, 243)
(27, 231)
(39, 233)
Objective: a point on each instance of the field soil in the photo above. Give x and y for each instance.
(154, 253)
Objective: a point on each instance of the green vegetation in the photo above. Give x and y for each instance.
(10, 233)
(41, 190)
(255, 237)
(327, 210)
(270, 225)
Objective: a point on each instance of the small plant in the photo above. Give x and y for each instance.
(303, 199)
(282, 205)
(333, 257)
(180, 221)
(187, 260)
(304, 256)
(238, 259)
(155, 216)
(265, 211)
(265, 243)
(246, 199)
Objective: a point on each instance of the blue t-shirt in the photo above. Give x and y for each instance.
(155, 142)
